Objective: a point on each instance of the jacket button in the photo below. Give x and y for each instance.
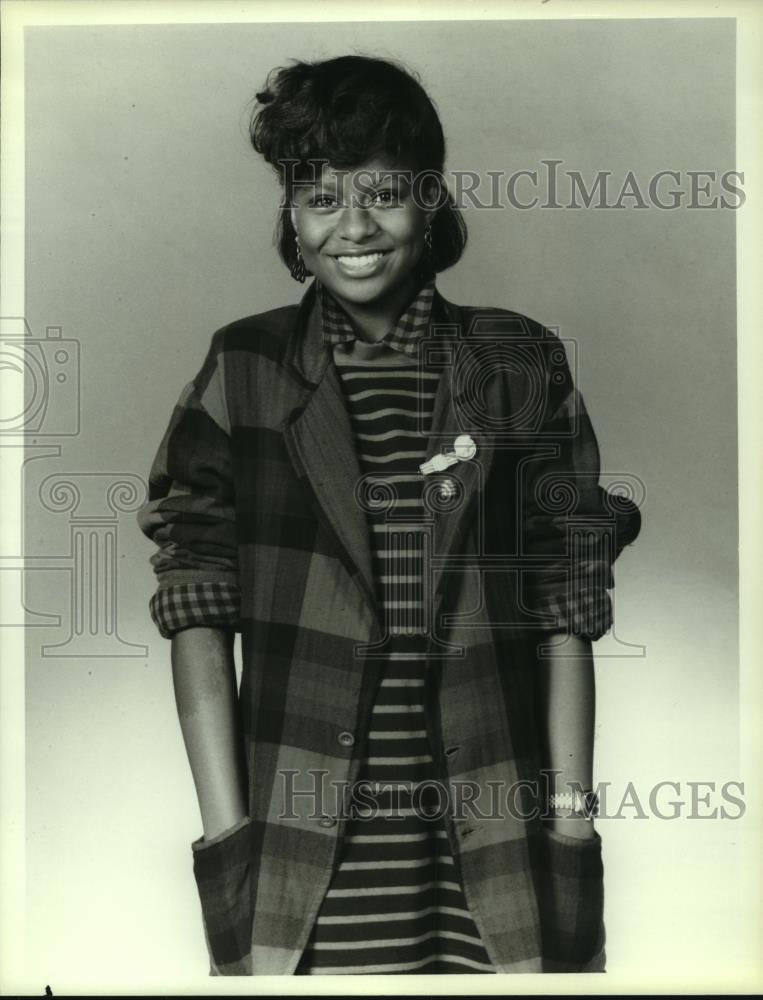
(327, 821)
(346, 739)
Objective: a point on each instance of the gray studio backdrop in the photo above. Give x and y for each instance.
(149, 225)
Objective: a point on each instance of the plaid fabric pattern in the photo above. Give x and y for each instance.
(254, 485)
(221, 867)
(404, 336)
(572, 525)
(395, 904)
(583, 613)
(571, 891)
(213, 604)
(190, 518)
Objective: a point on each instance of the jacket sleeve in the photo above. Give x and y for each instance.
(190, 512)
(572, 529)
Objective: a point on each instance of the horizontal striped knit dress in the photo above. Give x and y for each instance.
(395, 903)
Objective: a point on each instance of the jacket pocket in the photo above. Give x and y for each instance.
(222, 869)
(569, 875)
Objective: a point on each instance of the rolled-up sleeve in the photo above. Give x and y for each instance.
(572, 528)
(190, 511)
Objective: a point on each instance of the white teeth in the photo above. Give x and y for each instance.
(361, 261)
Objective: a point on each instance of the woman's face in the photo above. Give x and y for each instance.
(360, 231)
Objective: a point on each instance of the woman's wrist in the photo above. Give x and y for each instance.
(220, 820)
(572, 812)
(223, 809)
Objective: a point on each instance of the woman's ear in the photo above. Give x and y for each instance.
(293, 217)
(432, 195)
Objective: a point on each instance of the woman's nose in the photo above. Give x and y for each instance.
(355, 223)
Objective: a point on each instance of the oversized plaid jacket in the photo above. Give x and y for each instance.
(255, 513)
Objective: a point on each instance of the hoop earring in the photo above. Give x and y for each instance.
(428, 243)
(298, 269)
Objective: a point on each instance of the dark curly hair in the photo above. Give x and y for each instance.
(345, 112)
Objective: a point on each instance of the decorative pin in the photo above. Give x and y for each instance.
(463, 449)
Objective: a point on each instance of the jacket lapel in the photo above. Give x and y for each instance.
(320, 441)
(462, 406)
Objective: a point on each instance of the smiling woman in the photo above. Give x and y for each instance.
(364, 250)
(349, 139)
(333, 486)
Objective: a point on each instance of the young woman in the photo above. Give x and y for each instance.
(395, 501)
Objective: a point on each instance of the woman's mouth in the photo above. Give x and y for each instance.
(361, 264)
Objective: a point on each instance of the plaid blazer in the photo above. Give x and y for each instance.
(255, 513)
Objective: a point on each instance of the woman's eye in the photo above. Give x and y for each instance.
(387, 197)
(323, 201)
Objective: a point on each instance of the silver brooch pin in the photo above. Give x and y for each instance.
(463, 449)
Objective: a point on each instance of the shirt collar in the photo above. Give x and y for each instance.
(404, 336)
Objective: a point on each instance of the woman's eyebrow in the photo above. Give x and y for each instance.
(373, 180)
(380, 177)
(309, 189)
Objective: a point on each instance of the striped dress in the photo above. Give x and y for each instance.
(395, 903)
